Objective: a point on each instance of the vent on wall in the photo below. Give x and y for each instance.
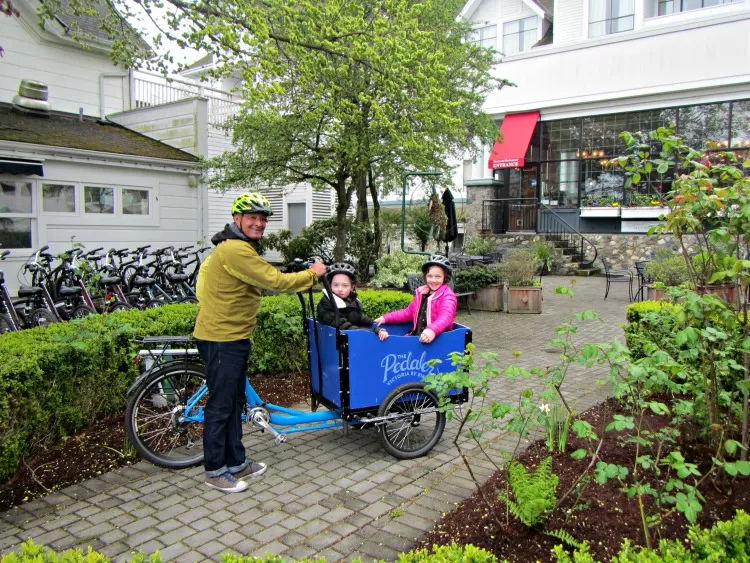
(32, 97)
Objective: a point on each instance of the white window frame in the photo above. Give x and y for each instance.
(32, 215)
(478, 33)
(520, 32)
(76, 198)
(608, 18)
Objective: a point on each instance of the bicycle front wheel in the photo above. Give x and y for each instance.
(160, 412)
(414, 422)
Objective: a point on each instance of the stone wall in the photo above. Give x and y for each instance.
(621, 250)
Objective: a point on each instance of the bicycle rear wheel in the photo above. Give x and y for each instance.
(414, 422)
(155, 418)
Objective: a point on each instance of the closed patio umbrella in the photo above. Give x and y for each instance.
(451, 228)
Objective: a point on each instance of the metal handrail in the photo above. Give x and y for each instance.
(563, 231)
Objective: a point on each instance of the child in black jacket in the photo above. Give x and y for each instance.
(342, 279)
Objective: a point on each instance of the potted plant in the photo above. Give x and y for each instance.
(520, 269)
(600, 206)
(705, 265)
(667, 270)
(644, 206)
(545, 252)
(486, 284)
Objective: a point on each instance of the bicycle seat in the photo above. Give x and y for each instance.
(27, 291)
(177, 277)
(141, 281)
(110, 280)
(69, 291)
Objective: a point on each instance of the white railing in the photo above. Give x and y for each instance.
(151, 90)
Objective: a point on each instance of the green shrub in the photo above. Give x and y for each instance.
(479, 246)
(651, 323)
(56, 379)
(474, 277)
(520, 267)
(667, 268)
(724, 541)
(392, 269)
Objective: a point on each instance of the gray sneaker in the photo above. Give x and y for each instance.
(227, 483)
(252, 471)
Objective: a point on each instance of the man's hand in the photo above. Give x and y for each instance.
(319, 269)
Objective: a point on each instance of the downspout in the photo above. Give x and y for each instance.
(104, 75)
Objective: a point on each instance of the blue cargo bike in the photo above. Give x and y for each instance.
(360, 381)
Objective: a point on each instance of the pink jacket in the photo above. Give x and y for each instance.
(441, 309)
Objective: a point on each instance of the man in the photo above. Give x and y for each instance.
(229, 292)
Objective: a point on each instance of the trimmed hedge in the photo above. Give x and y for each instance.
(651, 322)
(33, 553)
(56, 379)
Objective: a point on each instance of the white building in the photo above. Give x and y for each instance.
(65, 174)
(586, 70)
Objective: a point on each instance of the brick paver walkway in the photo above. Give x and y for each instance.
(325, 494)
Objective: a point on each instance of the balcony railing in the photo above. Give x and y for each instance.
(154, 90)
(500, 216)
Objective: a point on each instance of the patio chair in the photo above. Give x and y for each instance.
(617, 276)
(643, 279)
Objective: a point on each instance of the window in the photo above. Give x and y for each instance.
(99, 200)
(15, 214)
(58, 198)
(485, 36)
(519, 35)
(741, 124)
(610, 16)
(135, 202)
(705, 126)
(667, 7)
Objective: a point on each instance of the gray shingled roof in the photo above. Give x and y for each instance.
(66, 130)
(91, 25)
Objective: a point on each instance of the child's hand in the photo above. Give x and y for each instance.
(382, 334)
(427, 336)
(379, 321)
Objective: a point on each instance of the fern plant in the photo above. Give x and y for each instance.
(534, 492)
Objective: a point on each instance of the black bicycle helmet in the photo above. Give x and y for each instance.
(342, 268)
(438, 260)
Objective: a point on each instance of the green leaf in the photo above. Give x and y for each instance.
(578, 454)
(662, 167)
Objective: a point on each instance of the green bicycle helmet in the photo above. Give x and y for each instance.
(252, 202)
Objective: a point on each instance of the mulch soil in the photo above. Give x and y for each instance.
(602, 515)
(99, 447)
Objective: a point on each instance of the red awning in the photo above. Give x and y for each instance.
(517, 129)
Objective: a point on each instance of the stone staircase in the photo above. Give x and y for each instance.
(570, 259)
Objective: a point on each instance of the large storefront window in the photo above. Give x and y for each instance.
(705, 126)
(562, 136)
(601, 135)
(560, 182)
(741, 124)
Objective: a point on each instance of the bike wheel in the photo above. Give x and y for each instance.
(154, 303)
(82, 311)
(41, 317)
(155, 416)
(188, 299)
(5, 324)
(414, 421)
(118, 306)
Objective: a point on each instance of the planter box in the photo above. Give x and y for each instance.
(524, 299)
(654, 293)
(600, 211)
(487, 298)
(726, 292)
(644, 212)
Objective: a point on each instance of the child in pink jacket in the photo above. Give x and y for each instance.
(433, 309)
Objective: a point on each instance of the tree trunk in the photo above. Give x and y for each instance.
(343, 201)
(378, 234)
(361, 182)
